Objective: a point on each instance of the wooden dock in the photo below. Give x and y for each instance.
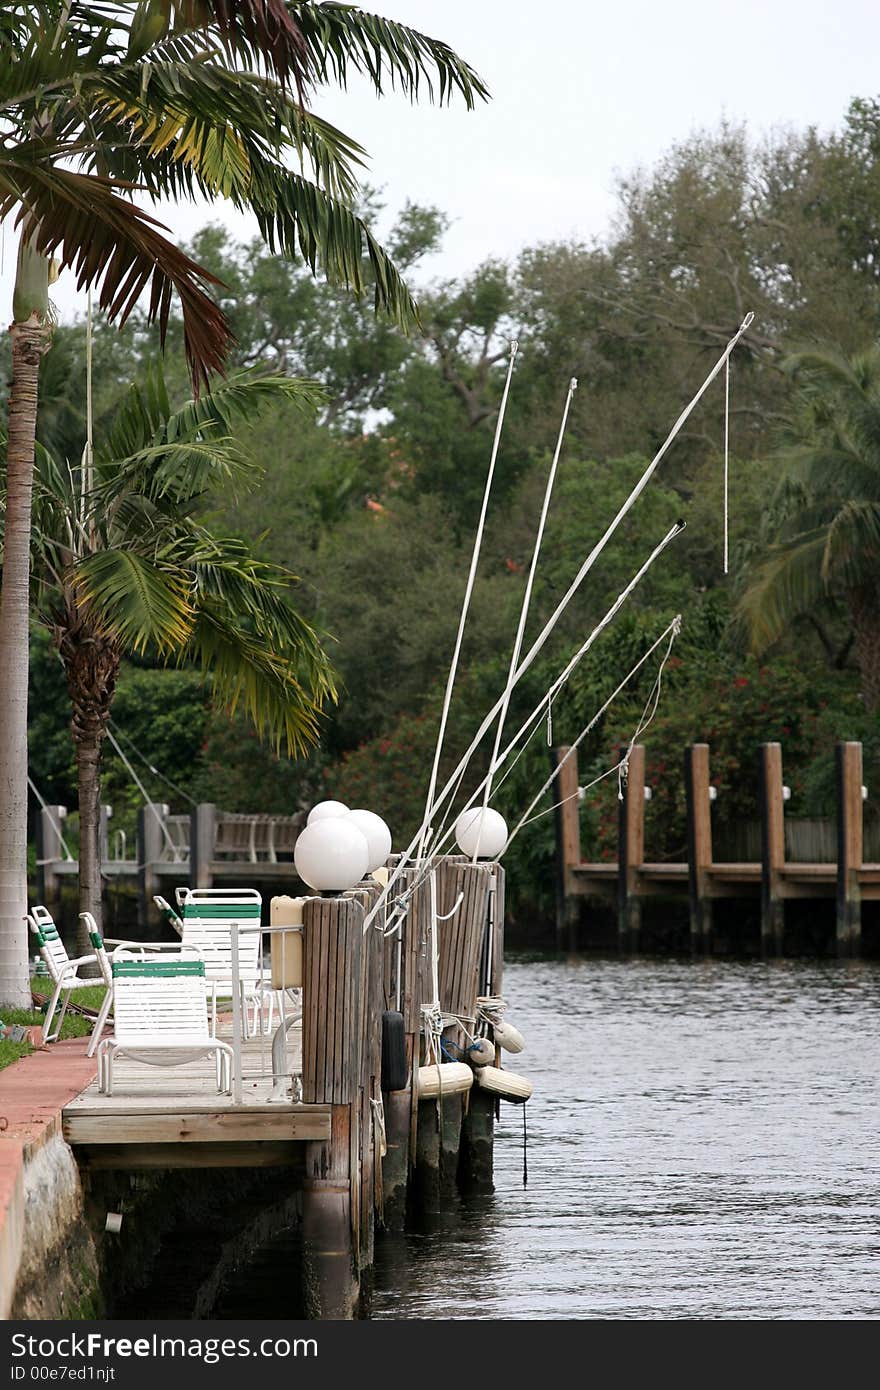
(174, 1118)
(360, 1159)
(773, 880)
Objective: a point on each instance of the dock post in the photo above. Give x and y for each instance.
(849, 848)
(699, 841)
(772, 848)
(49, 851)
(332, 1012)
(631, 851)
(463, 891)
(400, 1106)
(150, 841)
(568, 845)
(203, 822)
(476, 1157)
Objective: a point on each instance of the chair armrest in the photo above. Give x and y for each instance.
(80, 960)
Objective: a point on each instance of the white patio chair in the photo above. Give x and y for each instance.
(168, 913)
(161, 1013)
(206, 917)
(64, 972)
(209, 915)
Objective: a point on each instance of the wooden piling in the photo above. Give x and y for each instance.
(50, 851)
(699, 840)
(632, 851)
(332, 1017)
(476, 1155)
(150, 843)
(772, 848)
(568, 840)
(849, 848)
(202, 835)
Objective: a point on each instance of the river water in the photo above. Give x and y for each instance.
(703, 1142)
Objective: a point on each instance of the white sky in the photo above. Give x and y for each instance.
(580, 90)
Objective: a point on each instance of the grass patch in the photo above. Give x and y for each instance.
(10, 1051)
(74, 1025)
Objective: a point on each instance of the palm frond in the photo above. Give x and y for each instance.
(244, 674)
(343, 38)
(253, 31)
(210, 121)
(137, 601)
(109, 241)
(786, 583)
(852, 548)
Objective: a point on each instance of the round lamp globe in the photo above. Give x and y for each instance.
(331, 855)
(376, 834)
(481, 833)
(322, 810)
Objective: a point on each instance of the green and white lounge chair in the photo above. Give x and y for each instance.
(64, 972)
(207, 916)
(161, 1013)
(168, 913)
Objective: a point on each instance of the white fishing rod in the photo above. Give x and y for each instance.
(671, 632)
(554, 618)
(527, 597)
(425, 829)
(455, 778)
(563, 676)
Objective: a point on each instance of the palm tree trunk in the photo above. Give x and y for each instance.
(91, 664)
(864, 605)
(29, 342)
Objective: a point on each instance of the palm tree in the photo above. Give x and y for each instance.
(121, 565)
(175, 99)
(825, 524)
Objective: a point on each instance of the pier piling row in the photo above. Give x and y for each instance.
(777, 877)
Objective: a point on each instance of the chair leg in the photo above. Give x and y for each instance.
(50, 1012)
(99, 1026)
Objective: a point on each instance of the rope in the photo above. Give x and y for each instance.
(490, 1008)
(527, 598)
(566, 599)
(143, 791)
(672, 631)
(425, 831)
(184, 795)
(525, 1151)
(55, 821)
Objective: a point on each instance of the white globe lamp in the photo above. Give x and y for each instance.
(376, 834)
(331, 855)
(323, 810)
(481, 832)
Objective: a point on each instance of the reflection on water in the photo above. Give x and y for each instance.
(703, 1143)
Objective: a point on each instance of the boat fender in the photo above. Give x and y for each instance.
(447, 1079)
(508, 1037)
(481, 1053)
(505, 1084)
(395, 1072)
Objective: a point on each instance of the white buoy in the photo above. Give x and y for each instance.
(481, 832)
(481, 1053)
(331, 855)
(505, 1084)
(324, 810)
(508, 1037)
(447, 1079)
(376, 834)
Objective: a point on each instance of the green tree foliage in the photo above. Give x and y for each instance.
(373, 504)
